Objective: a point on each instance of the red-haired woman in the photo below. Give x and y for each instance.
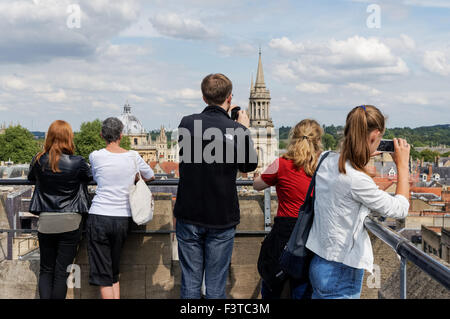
(59, 198)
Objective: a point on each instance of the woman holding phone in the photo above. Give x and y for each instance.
(345, 195)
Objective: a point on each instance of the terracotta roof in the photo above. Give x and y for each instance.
(169, 167)
(153, 164)
(435, 190)
(383, 182)
(435, 229)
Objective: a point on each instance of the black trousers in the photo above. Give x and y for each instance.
(57, 253)
(106, 238)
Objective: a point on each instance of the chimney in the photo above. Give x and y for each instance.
(436, 160)
(430, 172)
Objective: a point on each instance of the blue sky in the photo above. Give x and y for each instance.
(320, 59)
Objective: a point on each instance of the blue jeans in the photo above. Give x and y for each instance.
(205, 250)
(333, 280)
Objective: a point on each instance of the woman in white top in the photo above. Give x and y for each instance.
(114, 169)
(345, 195)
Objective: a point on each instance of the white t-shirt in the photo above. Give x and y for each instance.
(114, 174)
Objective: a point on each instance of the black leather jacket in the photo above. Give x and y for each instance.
(65, 191)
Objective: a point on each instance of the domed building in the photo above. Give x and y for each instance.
(133, 128)
(141, 141)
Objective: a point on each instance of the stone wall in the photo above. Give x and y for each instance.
(3, 225)
(431, 239)
(445, 242)
(418, 285)
(150, 267)
(386, 262)
(415, 222)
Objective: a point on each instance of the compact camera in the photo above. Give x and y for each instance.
(234, 113)
(386, 146)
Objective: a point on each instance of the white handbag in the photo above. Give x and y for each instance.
(141, 200)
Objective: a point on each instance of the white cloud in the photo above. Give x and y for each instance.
(12, 83)
(313, 87)
(187, 94)
(412, 99)
(363, 88)
(3, 108)
(437, 62)
(283, 71)
(335, 60)
(403, 44)
(285, 45)
(428, 3)
(33, 31)
(240, 49)
(176, 26)
(105, 105)
(359, 51)
(59, 96)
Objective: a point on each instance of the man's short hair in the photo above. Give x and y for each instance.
(216, 88)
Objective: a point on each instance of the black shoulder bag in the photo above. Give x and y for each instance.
(295, 258)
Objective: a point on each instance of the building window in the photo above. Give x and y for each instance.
(424, 177)
(135, 141)
(392, 172)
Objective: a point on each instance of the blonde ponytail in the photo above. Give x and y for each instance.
(305, 145)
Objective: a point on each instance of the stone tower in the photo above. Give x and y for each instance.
(161, 145)
(261, 125)
(259, 103)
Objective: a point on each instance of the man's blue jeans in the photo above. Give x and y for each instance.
(205, 250)
(333, 280)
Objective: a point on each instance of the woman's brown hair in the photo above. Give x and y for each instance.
(305, 145)
(361, 121)
(59, 141)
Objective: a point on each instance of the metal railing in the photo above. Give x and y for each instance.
(405, 249)
(159, 182)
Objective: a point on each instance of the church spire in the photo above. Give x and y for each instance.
(260, 74)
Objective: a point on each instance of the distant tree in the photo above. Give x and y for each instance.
(428, 155)
(282, 145)
(18, 144)
(88, 139)
(329, 142)
(447, 154)
(415, 154)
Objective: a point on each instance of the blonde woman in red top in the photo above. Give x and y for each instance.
(291, 175)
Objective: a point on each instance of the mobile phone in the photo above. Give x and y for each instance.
(386, 146)
(234, 113)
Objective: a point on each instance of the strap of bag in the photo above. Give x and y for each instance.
(138, 172)
(312, 184)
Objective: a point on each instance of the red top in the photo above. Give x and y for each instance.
(291, 185)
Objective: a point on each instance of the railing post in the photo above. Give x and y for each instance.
(403, 278)
(267, 202)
